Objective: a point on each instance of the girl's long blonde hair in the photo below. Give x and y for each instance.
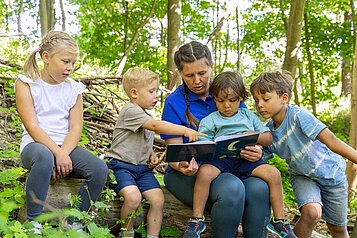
(52, 42)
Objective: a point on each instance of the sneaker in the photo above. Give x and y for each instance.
(126, 234)
(70, 223)
(195, 227)
(37, 227)
(281, 229)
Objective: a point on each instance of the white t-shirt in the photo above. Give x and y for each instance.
(52, 104)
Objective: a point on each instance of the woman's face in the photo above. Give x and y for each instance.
(196, 75)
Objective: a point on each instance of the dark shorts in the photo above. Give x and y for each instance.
(130, 174)
(239, 167)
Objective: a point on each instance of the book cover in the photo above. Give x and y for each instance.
(223, 146)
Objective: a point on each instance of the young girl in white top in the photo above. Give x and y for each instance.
(50, 107)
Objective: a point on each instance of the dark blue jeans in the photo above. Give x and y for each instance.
(230, 201)
(39, 160)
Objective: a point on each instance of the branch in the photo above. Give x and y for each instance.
(133, 40)
(219, 25)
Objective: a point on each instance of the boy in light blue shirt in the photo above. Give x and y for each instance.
(313, 154)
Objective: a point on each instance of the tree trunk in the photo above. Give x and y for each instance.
(351, 170)
(311, 67)
(293, 36)
(47, 16)
(21, 11)
(173, 40)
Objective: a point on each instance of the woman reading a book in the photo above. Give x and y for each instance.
(230, 200)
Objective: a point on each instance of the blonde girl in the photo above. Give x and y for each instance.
(51, 110)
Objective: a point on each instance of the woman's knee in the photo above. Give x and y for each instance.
(256, 189)
(228, 189)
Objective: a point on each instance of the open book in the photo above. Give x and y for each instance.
(223, 146)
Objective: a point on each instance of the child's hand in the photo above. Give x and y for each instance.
(192, 134)
(63, 165)
(154, 160)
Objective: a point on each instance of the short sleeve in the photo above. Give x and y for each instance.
(34, 85)
(133, 117)
(76, 89)
(309, 124)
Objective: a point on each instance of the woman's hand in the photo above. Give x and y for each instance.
(188, 168)
(252, 153)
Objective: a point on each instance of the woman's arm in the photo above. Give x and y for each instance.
(183, 166)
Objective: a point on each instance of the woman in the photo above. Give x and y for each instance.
(230, 200)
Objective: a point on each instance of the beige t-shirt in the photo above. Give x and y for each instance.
(131, 142)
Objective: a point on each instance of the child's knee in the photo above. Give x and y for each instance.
(337, 231)
(133, 200)
(311, 212)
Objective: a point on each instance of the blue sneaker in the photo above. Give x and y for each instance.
(281, 229)
(195, 227)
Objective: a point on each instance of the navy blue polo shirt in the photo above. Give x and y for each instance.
(175, 106)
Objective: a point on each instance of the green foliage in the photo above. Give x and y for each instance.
(338, 123)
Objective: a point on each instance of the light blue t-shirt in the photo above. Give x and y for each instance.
(296, 141)
(215, 125)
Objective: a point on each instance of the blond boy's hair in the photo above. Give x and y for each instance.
(138, 77)
(280, 82)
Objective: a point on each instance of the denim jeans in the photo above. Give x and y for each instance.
(40, 161)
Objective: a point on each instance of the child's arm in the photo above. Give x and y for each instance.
(26, 110)
(336, 145)
(265, 139)
(75, 126)
(164, 127)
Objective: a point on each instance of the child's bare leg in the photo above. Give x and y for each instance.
(338, 231)
(132, 200)
(154, 216)
(206, 174)
(310, 215)
(271, 175)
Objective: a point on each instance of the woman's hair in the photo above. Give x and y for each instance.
(281, 82)
(189, 53)
(52, 42)
(138, 77)
(225, 81)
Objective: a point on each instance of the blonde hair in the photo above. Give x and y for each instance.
(52, 42)
(138, 77)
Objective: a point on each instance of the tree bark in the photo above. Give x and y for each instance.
(310, 65)
(173, 40)
(351, 170)
(293, 36)
(47, 16)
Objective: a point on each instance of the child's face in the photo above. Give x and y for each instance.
(60, 65)
(147, 95)
(269, 104)
(227, 103)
